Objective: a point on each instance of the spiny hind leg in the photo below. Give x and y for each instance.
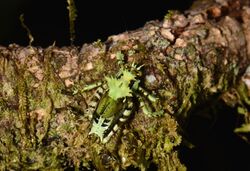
(119, 120)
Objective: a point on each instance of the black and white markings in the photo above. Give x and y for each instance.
(125, 116)
(94, 101)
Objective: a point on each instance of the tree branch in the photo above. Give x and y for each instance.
(187, 59)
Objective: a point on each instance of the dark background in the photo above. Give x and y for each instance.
(48, 19)
(217, 147)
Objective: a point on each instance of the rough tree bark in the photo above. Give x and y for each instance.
(188, 59)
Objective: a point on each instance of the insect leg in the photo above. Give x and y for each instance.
(92, 86)
(94, 102)
(119, 120)
(149, 109)
(149, 96)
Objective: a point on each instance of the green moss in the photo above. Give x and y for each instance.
(72, 17)
(169, 15)
(119, 56)
(99, 66)
(31, 38)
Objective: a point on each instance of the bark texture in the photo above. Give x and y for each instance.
(189, 58)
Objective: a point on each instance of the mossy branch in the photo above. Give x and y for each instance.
(187, 59)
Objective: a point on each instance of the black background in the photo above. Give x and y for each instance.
(217, 148)
(48, 19)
